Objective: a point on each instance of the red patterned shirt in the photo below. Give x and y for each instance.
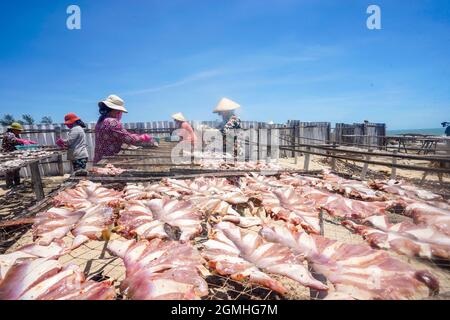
(109, 137)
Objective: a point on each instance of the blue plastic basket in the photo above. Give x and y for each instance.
(27, 147)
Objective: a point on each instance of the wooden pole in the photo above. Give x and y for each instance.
(60, 165)
(394, 169)
(307, 157)
(313, 293)
(36, 180)
(333, 160)
(365, 167)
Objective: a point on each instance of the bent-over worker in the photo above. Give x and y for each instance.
(11, 139)
(109, 133)
(187, 133)
(227, 110)
(75, 143)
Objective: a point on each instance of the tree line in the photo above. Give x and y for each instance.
(7, 119)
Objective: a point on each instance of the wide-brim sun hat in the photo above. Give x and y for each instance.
(226, 104)
(114, 102)
(15, 126)
(179, 116)
(70, 118)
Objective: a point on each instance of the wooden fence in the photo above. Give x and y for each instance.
(370, 134)
(294, 132)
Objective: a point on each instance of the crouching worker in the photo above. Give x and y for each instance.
(75, 143)
(109, 132)
(11, 139)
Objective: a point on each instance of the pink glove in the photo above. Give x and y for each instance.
(60, 142)
(146, 138)
(26, 142)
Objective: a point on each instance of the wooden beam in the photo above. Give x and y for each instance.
(36, 181)
(394, 169)
(307, 158)
(365, 167)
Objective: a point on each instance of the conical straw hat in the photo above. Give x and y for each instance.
(179, 116)
(226, 105)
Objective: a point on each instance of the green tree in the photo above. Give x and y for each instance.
(27, 119)
(7, 120)
(46, 120)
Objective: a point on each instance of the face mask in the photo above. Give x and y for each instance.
(119, 116)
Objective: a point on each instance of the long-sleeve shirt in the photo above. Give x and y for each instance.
(76, 144)
(109, 137)
(10, 141)
(233, 123)
(188, 134)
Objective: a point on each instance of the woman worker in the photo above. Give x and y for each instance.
(227, 110)
(75, 143)
(11, 139)
(109, 133)
(187, 133)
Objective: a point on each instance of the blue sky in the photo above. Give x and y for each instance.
(312, 60)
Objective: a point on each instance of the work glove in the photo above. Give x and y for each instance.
(60, 143)
(146, 138)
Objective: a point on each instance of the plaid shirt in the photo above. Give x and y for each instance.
(109, 137)
(233, 123)
(10, 142)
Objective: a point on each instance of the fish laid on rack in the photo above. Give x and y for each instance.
(54, 224)
(342, 207)
(221, 204)
(298, 180)
(148, 218)
(201, 186)
(87, 194)
(404, 238)
(47, 279)
(404, 190)
(93, 225)
(147, 192)
(31, 251)
(160, 270)
(286, 204)
(253, 184)
(210, 195)
(355, 270)
(245, 255)
(351, 188)
(243, 221)
(435, 217)
(108, 170)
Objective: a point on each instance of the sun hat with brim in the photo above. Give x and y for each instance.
(15, 126)
(179, 116)
(226, 105)
(114, 102)
(70, 118)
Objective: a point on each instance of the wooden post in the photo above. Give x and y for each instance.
(365, 167)
(60, 165)
(313, 293)
(37, 181)
(333, 160)
(297, 141)
(307, 156)
(394, 169)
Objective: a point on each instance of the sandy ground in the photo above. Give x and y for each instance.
(374, 172)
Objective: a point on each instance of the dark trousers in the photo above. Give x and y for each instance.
(79, 164)
(12, 178)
